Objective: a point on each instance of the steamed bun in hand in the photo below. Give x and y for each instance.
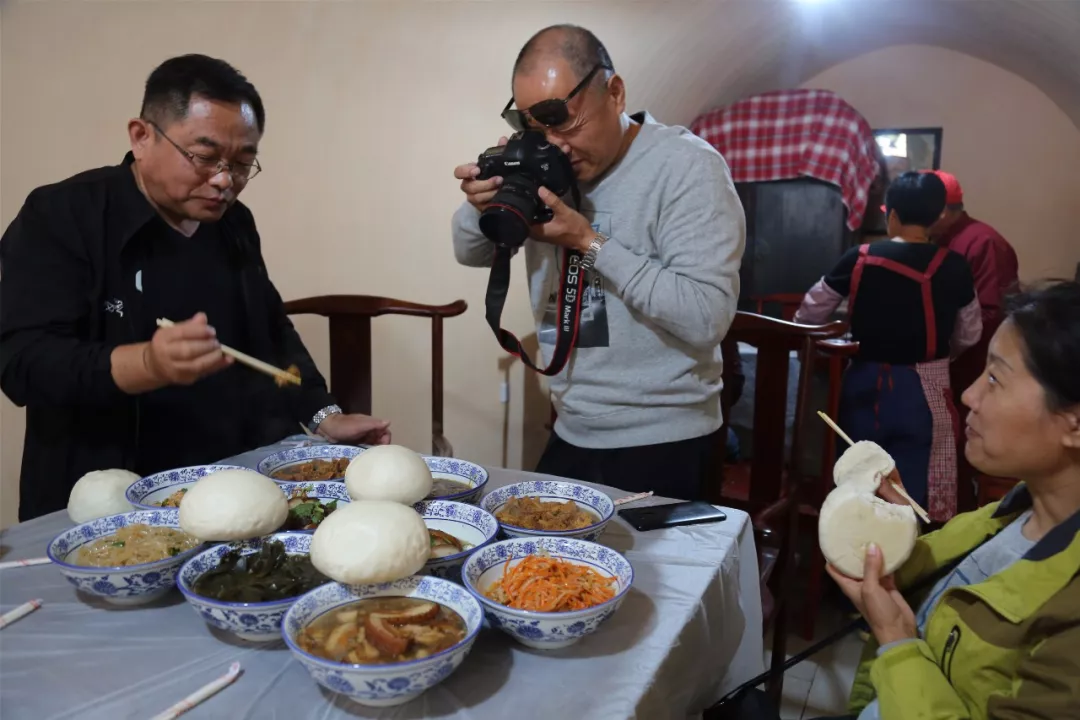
(99, 494)
(852, 516)
(370, 541)
(233, 505)
(388, 472)
(865, 463)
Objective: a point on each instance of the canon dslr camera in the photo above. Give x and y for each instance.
(525, 163)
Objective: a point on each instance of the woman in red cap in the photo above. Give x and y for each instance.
(912, 307)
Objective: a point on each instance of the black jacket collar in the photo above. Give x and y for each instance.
(130, 211)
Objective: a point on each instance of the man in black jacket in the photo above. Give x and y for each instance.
(90, 264)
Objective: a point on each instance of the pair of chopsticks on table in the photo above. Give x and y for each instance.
(896, 486)
(253, 363)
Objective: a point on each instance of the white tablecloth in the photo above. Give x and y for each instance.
(689, 630)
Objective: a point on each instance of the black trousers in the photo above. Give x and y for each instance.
(676, 470)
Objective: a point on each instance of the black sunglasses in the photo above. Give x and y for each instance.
(549, 113)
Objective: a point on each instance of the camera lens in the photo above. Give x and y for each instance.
(505, 221)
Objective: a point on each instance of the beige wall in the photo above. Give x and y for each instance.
(1016, 154)
(370, 105)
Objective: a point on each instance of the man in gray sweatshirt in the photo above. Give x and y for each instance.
(662, 232)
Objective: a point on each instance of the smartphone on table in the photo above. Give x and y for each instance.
(657, 517)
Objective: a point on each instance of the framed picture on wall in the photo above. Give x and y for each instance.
(901, 150)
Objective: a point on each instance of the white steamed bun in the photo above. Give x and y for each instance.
(233, 505)
(370, 541)
(852, 516)
(100, 493)
(388, 472)
(864, 462)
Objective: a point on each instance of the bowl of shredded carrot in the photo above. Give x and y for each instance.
(548, 592)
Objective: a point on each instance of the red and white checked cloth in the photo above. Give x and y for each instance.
(941, 477)
(791, 133)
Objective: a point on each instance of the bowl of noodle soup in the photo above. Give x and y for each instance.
(547, 592)
(135, 555)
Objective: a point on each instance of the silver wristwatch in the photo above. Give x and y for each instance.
(326, 412)
(589, 258)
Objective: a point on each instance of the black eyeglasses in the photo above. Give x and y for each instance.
(550, 113)
(211, 166)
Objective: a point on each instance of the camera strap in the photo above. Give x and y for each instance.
(570, 291)
(571, 288)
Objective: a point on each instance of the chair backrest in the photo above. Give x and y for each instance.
(789, 303)
(774, 341)
(350, 348)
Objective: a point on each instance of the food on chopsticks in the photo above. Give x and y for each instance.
(99, 494)
(443, 487)
(313, 470)
(389, 472)
(233, 505)
(306, 513)
(371, 541)
(134, 545)
(540, 583)
(375, 631)
(853, 516)
(265, 576)
(173, 500)
(443, 544)
(282, 381)
(533, 513)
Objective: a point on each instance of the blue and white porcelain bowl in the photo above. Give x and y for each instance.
(596, 503)
(394, 683)
(540, 630)
(129, 585)
(255, 622)
(473, 526)
(147, 493)
(325, 491)
(299, 455)
(468, 474)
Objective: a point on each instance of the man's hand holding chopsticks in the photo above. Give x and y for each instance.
(177, 355)
(185, 352)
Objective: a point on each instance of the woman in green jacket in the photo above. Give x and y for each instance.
(998, 635)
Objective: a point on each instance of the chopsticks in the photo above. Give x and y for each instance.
(201, 694)
(632, 498)
(254, 363)
(896, 486)
(21, 611)
(25, 563)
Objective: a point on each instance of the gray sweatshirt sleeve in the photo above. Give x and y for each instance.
(471, 248)
(692, 288)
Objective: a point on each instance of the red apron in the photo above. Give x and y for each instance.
(934, 376)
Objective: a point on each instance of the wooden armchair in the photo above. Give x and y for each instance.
(350, 349)
(788, 304)
(773, 491)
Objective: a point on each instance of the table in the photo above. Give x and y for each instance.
(689, 630)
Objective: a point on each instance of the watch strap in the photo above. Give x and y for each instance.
(326, 412)
(589, 259)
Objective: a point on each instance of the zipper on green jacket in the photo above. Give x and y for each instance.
(950, 651)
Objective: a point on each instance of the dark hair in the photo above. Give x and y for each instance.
(918, 198)
(579, 47)
(170, 87)
(1047, 317)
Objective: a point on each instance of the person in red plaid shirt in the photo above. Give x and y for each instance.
(994, 270)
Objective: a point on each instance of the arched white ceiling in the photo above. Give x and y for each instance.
(785, 43)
